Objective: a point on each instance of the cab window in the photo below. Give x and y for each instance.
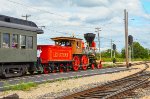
(30, 42)
(6, 40)
(22, 41)
(14, 41)
(78, 44)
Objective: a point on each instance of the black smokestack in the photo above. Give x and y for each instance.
(89, 37)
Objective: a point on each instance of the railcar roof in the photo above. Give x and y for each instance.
(14, 23)
(65, 38)
(17, 21)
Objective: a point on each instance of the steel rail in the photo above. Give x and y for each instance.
(101, 91)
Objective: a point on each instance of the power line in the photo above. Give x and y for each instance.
(28, 6)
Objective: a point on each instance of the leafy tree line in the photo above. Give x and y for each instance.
(138, 52)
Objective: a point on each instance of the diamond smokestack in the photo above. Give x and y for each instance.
(89, 37)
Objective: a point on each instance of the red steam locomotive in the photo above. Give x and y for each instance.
(68, 53)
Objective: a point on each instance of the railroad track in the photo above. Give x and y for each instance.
(37, 78)
(115, 89)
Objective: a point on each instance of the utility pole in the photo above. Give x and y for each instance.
(98, 30)
(126, 37)
(26, 16)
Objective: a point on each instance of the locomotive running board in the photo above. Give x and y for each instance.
(60, 61)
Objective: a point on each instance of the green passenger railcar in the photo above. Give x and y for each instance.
(18, 46)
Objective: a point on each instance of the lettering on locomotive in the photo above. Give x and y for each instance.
(64, 55)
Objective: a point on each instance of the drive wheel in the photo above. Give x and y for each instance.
(84, 62)
(76, 63)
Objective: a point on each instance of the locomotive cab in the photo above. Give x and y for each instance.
(74, 43)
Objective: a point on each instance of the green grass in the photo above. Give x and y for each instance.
(123, 59)
(21, 86)
(60, 79)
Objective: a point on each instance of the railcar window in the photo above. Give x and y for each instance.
(30, 42)
(23, 41)
(15, 41)
(6, 40)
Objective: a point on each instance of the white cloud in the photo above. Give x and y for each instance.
(81, 16)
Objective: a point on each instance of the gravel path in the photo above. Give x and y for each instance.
(65, 87)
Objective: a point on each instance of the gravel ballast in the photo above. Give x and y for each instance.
(65, 87)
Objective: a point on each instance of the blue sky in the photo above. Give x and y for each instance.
(68, 17)
(146, 5)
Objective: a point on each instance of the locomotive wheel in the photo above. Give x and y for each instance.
(76, 63)
(45, 70)
(92, 66)
(61, 68)
(53, 70)
(84, 62)
(99, 66)
(67, 67)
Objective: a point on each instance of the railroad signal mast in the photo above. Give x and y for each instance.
(114, 48)
(130, 43)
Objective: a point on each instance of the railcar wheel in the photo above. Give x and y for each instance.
(31, 72)
(84, 62)
(21, 72)
(61, 68)
(76, 63)
(39, 72)
(92, 66)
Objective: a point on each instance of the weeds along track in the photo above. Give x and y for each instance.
(117, 88)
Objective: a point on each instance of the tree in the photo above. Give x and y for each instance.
(138, 51)
(107, 53)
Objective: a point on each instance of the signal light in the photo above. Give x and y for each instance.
(130, 39)
(114, 46)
